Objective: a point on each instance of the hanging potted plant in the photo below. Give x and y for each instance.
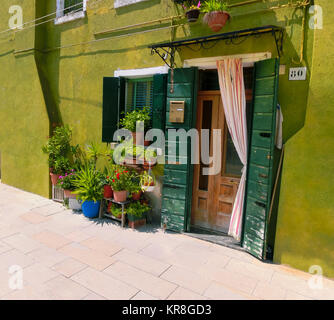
(137, 119)
(136, 213)
(147, 182)
(192, 8)
(89, 188)
(216, 14)
(121, 183)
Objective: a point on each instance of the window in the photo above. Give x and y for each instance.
(68, 10)
(123, 3)
(139, 94)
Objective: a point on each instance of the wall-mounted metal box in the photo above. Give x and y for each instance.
(176, 111)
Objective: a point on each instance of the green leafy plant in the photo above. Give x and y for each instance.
(121, 180)
(214, 5)
(88, 184)
(131, 118)
(146, 180)
(59, 150)
(191, 4)
(150, 155)
(115, 211)
(67, 181)
(95, 151)
(137, 209)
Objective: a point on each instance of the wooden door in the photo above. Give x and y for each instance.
(213, 195)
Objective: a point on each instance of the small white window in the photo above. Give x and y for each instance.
(123, 3)
(68, 10)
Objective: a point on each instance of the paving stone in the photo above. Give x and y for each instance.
(87, 256)
(15, 257)
(51, 239)
(38, 274)
(22, 243)
(143, 296)
(69, 267)
(217, 291)
(141, 262)
(185, 294)
(187, 279)
(250, 270)
(34, 218)
(141, 280)
(269, 292)
(93, 296)
(104, 285)
(4, 247)
(62, 288)
(78, 236)
(47, 256)
(99, 245)
(290, 295)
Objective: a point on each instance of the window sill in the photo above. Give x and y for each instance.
(70, 17)
(123, 3)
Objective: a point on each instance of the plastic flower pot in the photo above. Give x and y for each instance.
(216, 20)
(90, 208)
(74, 204)
(136, 196)
(54, 178)
(68, 194)
(192, 15)
(108, 192)
(135, 222)
(120, 196)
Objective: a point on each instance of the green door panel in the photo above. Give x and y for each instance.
(257, 190)
(262, 121)
(258, 173)
(260, 158)
(261, 139)
(255, 226)
(256, 208)
(263, 104)
(177, 185)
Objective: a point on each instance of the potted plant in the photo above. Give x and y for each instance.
(216, 14)
(107, 189)
(121, 184)
(136, 213)
(147, 182)
(192, 8)
(135, 188)
(115, 210)
(129, 122)
(89, 188)
(149, 159)
(66, 182)
(58, 149)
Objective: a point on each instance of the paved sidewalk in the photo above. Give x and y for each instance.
(64, 255)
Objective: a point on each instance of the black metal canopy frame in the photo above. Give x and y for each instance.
(167, 50)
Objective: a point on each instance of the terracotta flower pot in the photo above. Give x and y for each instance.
(136, 196)
(68, 194)
(192, 15)
(54, 178)
(216, 20)
(108, 192)
(120, 196)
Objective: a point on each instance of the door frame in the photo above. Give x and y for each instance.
(248, 60)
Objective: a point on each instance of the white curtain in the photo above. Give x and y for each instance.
(232, 89)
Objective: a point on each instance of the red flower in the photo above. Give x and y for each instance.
(118, 176)
(107, 177)
(113, 180)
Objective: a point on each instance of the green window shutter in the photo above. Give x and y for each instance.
(178, 178)
(113, 106)
(261, 158)
(159, 101)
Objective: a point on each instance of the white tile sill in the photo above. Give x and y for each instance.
(124, 3)
(70, 17)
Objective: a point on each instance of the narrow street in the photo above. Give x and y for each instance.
(64, 255)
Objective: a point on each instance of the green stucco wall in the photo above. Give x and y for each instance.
(305, 227)
(42, 87)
